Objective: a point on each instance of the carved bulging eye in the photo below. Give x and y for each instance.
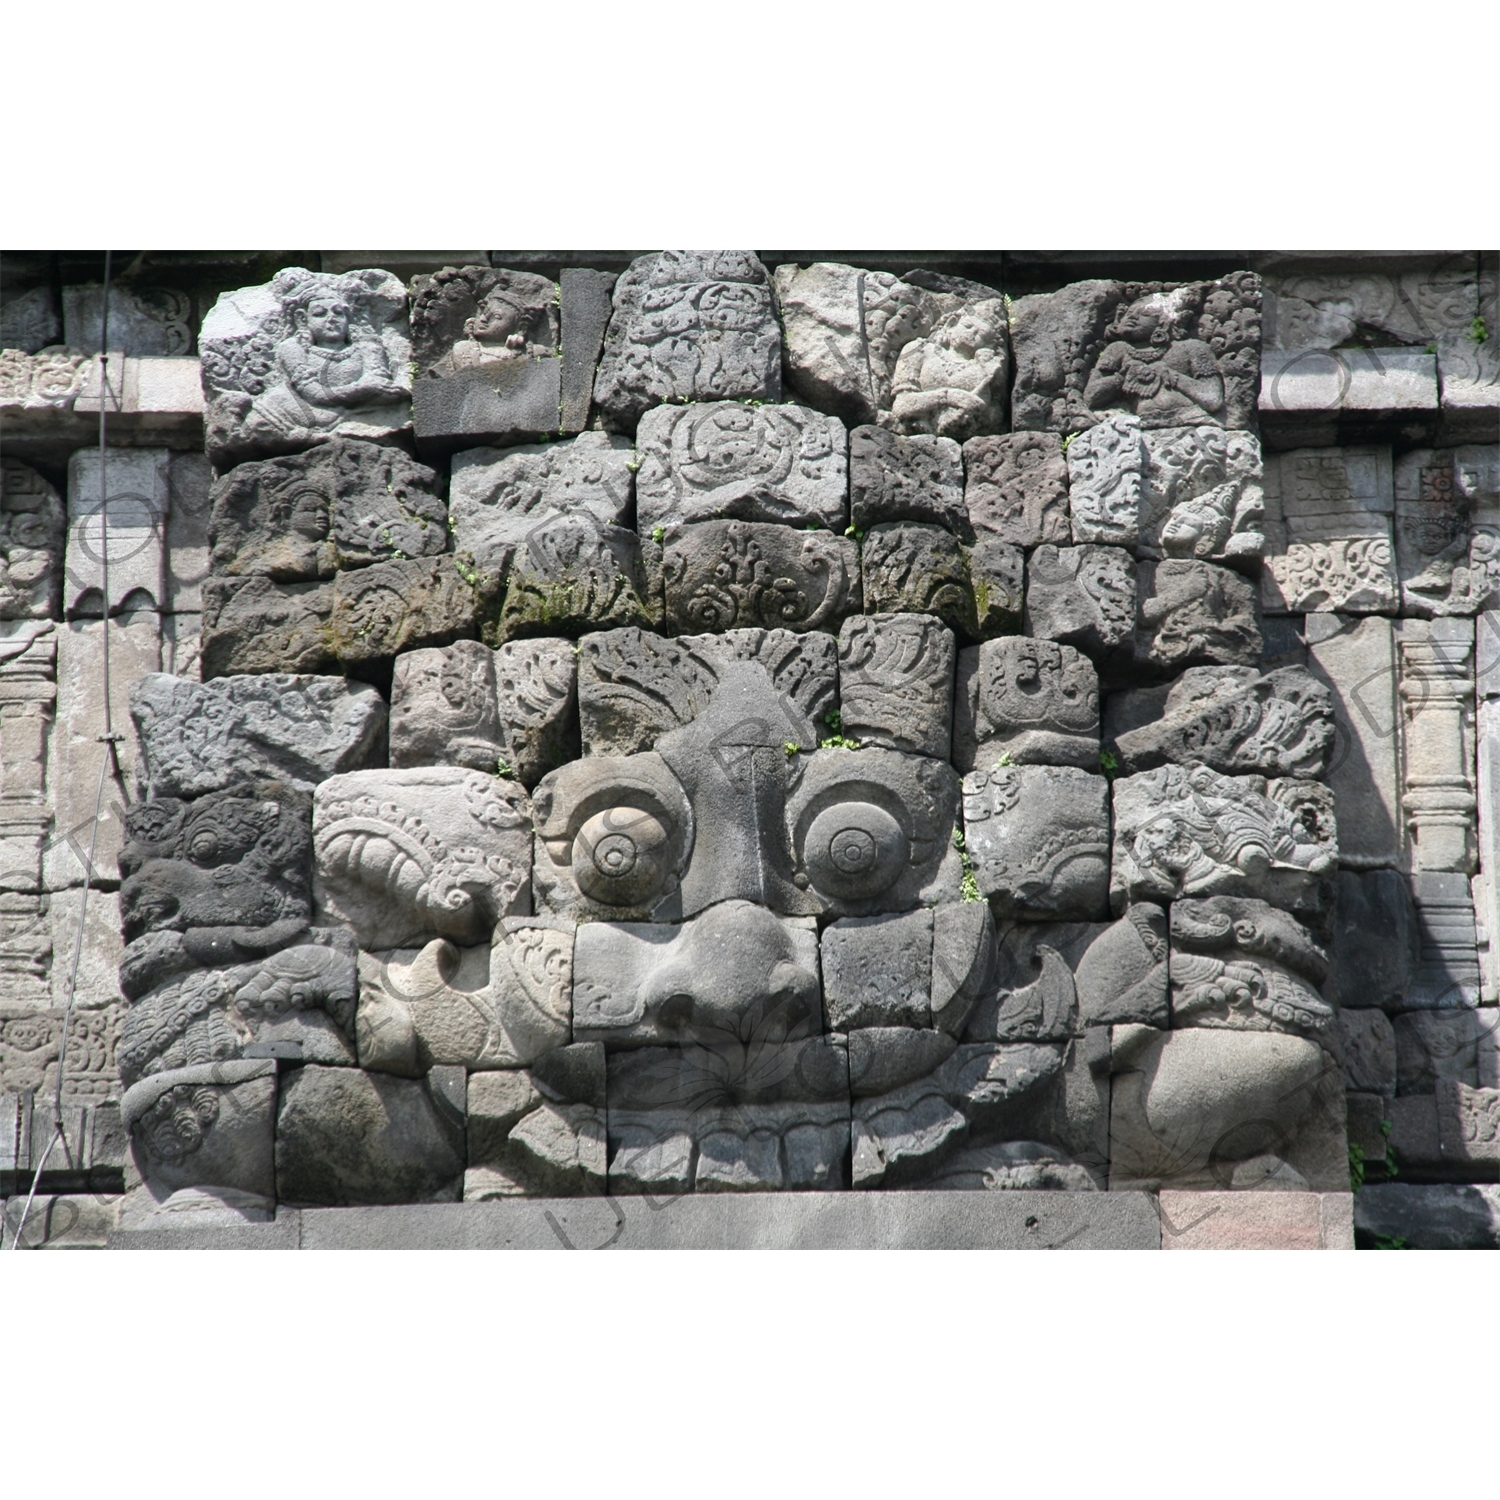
(622, 856)
(855, 850)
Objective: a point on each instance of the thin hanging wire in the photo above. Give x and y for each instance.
(108, 759)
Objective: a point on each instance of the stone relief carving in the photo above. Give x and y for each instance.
(734, 459)
(1025, 701)
(896, 682)
(1016, 487)
(49, 380)
(1447, 529)
(1173, 356)
(1084, 596)
(303, 358)
(689, 326)
(32, 522)
(472, 317)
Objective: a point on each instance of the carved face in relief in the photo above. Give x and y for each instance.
(500, 320)
(327, 321)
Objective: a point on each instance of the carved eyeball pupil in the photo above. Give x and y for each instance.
(852, 850)
(855, 850)
(614, 854)
(622, 857)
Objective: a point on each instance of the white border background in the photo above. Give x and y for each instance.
(1305, 125)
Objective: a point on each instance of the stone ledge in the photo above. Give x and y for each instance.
(780, 1221)
(1256, 1221)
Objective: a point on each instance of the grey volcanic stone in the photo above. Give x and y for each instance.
(572, 575)
(964, 956)
(689, 325)
(1195, 614)
(1031, 700)
(634, 685)
(586, 307)
(1234, 719)
(516, 401)
(882, 1058)
(1369, 1043)
(877, 971)
(997, 570)
(1016, 488)
(381, 611)
(1448, 1046)
(236, 859)
(1375, 938)
(404, 856)
(1084, 596)
(1105, 464)
(253, 625)
(1187, 831)
(911, 568)
(345, 1136)
(1172, 355)
(764, 1221)
(33, 525)
(894, 478)
(465, 705)
(722, 574)
(302, 359)
(896, 682)
(499, 498)
(204, 737)
(1039, 840)
(1436, 1216)
(470, 317)
(749, 462)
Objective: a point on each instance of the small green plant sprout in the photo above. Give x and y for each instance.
(1003, 759)
(792, 748)
(1430, 349)
(657, 534)
(502, 768)
(633, 464)
(812, 526)
(968, 887)
(855, 532)
(838, 742)
(1388, 1242)
(1478, 330)
(1109, 763)
(1068, 439)
(577, 649)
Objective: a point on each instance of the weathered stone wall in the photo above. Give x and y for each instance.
(715, 722)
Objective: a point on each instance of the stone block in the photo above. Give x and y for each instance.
(143, 320)
(1256, 1221)
(346, 1136)
(920, 354)
(1356, 659)
(1469, 378)
(30, 321)
(1414, 1133)
(688, 326)
(586, 307)
(66, 1221)
(732, 459)
(25, 938)
(381, 611)
(98, 982)
(1447, 529)
(304, 358)
(1438, 760)
(207, 1126)
(1083, 596)
(467, 318)
(527, 1137)
(895, 478)
(31, 1041)
(1201, 495)
(493, 1006)
(404, 856)
(1468, 1123)
(997, 573)
(634, 685)
(1367, 1125)
(343, 504)
(1038, 837)
(1188, 831)
(1235, 719)
(877, 971)
(1052, 979)
(735, 969)
(1375, 938)
(1328, 532)
(964, 955)
(206, 737)
(1447, 1046)
(1212, 1109)
(719, 575)
(1195, 614)
(254, 625)
(1172, 355)
(1024, 701)
(916, 569)
(1105, 470)
(1016, 488)
(1384, 383)
(1447, 970)
(33, 528)
(1313, 307)
(75, 751)
(573, 575)
(895, 675)
(1370, 1052)
(43, 385)
(1437, 1216)
(130, 523)
(191, 481)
